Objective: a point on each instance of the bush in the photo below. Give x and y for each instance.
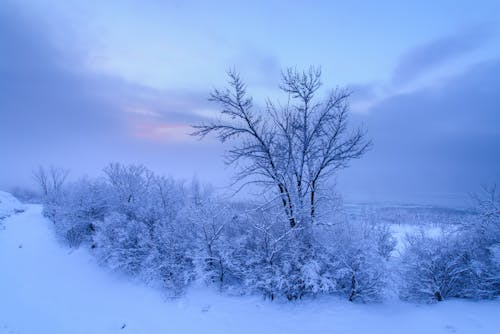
(170, 264)
(361, 253)
(432, 269)
(123, 244)
(156, 230)
(462, 263)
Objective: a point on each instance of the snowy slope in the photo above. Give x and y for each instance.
(45, 288)
(9, 205)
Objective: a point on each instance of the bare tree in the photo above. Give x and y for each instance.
(293, 148)
(130, 181)
(50, 180)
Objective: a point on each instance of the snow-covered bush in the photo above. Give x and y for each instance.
(279, 262)
(131, 185)
(210, 220)
(123, 244)
(77, 209)
(482, 242)
(157, 230)
(169, 264)
(462, 263)
(361, 253)
(51, 182)
(153, 228)
(431, 269)
(482, 279)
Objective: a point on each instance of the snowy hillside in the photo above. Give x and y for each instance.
(46, 288)
(9, 205)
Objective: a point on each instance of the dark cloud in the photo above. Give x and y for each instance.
(430, 55)
(436, 144)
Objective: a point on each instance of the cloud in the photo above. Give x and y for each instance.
(257, 67)
(431, 55)
(41, 91)
(434, 143)
(363, 96)
(55, 111)
(158, 132)
(426, 65)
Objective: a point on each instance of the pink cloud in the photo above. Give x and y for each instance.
(162, 131)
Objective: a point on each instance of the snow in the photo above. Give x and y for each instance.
(46, 288)
(9, 205)
(401, 231)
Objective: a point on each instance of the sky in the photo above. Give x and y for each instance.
(85, 83)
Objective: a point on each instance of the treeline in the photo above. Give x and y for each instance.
(170, 234)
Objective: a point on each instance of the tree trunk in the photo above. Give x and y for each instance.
(313, 208)
(353, 288)
(287, 204)
(438, 296)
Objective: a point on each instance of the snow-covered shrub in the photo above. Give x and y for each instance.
(451, 265)
(360, 255)
(432, 268)
(461, 263)
(167, 198)
(141, 195)
(159, 243)
(249, 251)
(384, 239)
(482, 243)
(210, 220)
(53, 205)
(304, 270)
(123, 244)
(51, 182)
(482, 279)
(276, 270)
(262, 254)
(130, 186)
(279, 262)
(131, 218)
(77, 209)
(156, 230)
(169, 263)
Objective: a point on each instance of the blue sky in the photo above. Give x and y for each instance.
(84, 83)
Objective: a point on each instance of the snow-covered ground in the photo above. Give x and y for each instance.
(9, 205)
(46, 288)
(401, 231)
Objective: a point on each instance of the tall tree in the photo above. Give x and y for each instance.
(293, 147)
